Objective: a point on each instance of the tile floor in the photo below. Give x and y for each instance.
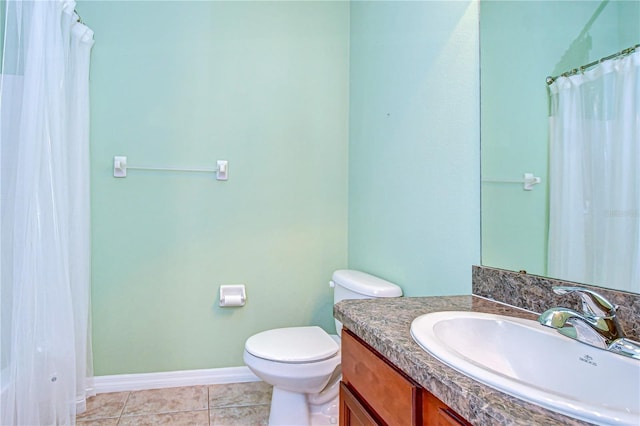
(213, 405)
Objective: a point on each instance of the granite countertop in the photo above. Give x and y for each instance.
(385, 325)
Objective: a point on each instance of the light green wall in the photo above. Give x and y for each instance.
(523, 42)
(276, 88)
(413, 154)
(263, 85)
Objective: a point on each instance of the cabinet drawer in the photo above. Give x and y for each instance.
(352, 412)
(388, 392)
(437, 413)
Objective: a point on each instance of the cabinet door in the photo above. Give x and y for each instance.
(352, 412)
(437, 413)
(394, 398)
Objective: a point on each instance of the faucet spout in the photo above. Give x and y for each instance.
(597, 325)
(594, 331)
(592, 302)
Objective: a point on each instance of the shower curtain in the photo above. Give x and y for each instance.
(44, 205)
(594, 198)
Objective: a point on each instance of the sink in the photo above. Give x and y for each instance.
(535, 363)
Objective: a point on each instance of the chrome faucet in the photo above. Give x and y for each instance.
(597, 324)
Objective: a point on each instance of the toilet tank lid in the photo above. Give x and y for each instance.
(365, 284)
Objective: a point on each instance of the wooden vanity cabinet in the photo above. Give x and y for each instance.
(374, 392)
(352, 411)
(437, 413)
(384, 393)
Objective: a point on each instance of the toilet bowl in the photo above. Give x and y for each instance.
(299, 362)
(303, 363)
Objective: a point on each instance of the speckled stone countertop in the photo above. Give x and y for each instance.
(385, 325)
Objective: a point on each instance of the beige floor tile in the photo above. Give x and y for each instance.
(183, 418)
(98, 422)
(166, 400)
(239, 394)
(234, 416)
(104, 405)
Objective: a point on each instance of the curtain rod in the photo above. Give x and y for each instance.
(78, 19)
(583, 68)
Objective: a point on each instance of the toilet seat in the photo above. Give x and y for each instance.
(293, 345)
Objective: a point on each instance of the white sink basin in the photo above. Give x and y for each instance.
(529, 361)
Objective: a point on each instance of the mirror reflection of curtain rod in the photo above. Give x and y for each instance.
(583, 68)
(78, 19)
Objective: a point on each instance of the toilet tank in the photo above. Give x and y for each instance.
(350, 284)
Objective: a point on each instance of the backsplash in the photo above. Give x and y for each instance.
(533, 292)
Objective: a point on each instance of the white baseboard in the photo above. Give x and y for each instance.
(169, 379)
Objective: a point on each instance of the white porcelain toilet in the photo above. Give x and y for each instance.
(303, 363)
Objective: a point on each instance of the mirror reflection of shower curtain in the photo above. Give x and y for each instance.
(44, 205)
(594, 176)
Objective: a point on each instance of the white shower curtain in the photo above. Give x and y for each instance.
(44, 233)
(594, 232)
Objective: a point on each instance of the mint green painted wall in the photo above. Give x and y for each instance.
(276, 88)
(413, 153)
(261, 84)
(523, 42)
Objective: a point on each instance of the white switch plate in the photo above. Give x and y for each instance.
(222, 172)
(119, 166)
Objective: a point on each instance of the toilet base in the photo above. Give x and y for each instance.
(291, 408)
(288, 408)
(326, 414)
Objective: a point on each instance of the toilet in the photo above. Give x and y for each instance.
(303, 363)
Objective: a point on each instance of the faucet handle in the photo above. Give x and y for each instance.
(592, 303)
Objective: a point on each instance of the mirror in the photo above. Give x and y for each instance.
(521, 43)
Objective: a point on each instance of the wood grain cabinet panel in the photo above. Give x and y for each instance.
(389, 393)
(374, 392)
(352, 412)
(437, 413)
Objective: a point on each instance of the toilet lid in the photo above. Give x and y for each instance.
(292, 344)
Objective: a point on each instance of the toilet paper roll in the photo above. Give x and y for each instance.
(232, 300)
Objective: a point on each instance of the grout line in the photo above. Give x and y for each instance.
(240, 405)
(162, 412)
(208, 407)
(124, 406)
(126, 401)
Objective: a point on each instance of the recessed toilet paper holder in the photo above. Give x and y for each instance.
(232, 295)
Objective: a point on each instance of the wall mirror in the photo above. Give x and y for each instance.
(521, 43)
